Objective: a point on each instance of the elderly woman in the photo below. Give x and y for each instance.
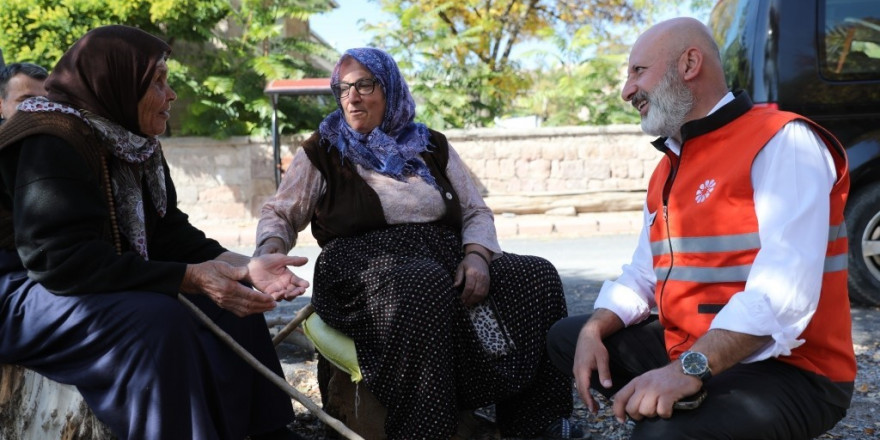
(408, 250)
(93, 252)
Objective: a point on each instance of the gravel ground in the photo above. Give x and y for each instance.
(862, 421)
(602, 256)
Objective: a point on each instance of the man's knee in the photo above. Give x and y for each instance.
(562, 341)
(656, 428)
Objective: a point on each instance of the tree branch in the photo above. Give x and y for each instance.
(514, 32)
(500, 36)
(449, 22)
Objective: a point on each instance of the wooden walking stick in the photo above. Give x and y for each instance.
(300, 316)
(277, 380)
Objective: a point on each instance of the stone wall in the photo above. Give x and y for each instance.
(221, 184)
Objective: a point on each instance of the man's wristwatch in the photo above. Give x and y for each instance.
(694, 363)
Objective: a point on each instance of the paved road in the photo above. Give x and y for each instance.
(583, 264)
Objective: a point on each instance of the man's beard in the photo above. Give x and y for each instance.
(669, 103)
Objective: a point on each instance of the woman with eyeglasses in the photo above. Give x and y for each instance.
(409, 259)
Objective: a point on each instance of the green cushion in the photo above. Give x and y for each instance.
(333, 345)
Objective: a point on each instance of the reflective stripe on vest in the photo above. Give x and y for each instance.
(728, 243)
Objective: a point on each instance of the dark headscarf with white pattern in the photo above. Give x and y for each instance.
(392, 148)
(101, 79)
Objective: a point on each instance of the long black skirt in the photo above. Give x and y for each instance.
(142, 361)
(391, 291)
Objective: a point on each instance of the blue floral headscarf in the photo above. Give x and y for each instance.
(392, 148)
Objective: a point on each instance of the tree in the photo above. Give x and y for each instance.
(576, 84)
(225, 83)
(458, 53)
(224, 52)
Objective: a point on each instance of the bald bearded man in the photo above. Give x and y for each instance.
(732, 320)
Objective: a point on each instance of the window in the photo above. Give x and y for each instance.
(734, 27)
(851, 40)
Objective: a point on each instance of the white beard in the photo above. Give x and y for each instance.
(669, 103)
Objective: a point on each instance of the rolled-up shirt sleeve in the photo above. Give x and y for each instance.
(792, 178)
(631, 296)
(290, 209)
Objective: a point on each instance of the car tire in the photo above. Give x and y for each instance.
(863, 230)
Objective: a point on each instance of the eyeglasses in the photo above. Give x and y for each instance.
(363, 86)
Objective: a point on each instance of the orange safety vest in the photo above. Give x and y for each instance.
(704, 240)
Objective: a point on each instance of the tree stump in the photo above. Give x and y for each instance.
(33, 407)
(350, 403)
(354, 405)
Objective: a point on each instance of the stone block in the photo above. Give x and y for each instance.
(228, 236)
(597, 170)
(506, 227)
(570, 170)
(224, 157)
(503, 150)
(234, 175)
(530, 151)
(195, 212)
(568, 211)
(618, 225)
(534, 185)
(220, 193)
(539, 169)
(227, 211)
(553, 151)
(635, 169)
(575, 228)
(187, 194)
(538, 228)
(477, 167)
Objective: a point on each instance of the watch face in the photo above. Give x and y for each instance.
(694, 363)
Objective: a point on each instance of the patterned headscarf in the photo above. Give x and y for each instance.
(101, 79)
(392, 148)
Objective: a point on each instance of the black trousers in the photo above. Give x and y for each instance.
(762, 400)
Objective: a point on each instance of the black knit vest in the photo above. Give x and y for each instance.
(67, 127)
(351, 207)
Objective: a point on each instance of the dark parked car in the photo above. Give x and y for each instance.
(821, 59)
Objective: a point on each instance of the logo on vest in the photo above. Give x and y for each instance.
(705, 190)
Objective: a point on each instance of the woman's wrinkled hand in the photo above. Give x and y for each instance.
(472, 278)
(272, 245)
(221, 281)
(269, 274)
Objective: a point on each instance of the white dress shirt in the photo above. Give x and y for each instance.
(792, 177)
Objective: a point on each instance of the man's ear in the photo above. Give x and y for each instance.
(690, 63)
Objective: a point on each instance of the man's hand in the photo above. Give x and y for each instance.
(590, 355)
(221, 282)
(269, 274)
(653, 393)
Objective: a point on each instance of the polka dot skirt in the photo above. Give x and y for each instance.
(391, 291)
